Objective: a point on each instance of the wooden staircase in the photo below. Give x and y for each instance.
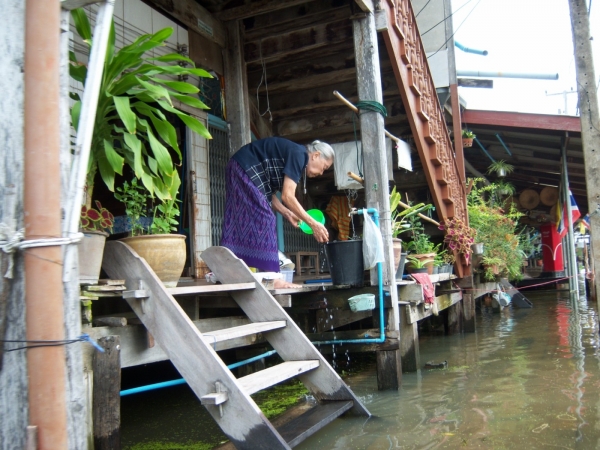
(226, 397)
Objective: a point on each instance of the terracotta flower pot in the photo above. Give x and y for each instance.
(91, 250)
(467, 142)
(164, 253)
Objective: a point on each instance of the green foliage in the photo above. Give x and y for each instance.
(405, 220)
(421, 244)
(497, 230)
(131, 127)
(165, 217)
(468, 134)
(278, 399)
(419, 263)
(500, 165)
(96, 219)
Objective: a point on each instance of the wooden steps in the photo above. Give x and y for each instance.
(213, 337)
(210, 288)
(264, 379)
(192, 352)
(307, 424)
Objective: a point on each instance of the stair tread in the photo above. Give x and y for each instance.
(266, 378)
(307, 424)
(225, 334)
(208, 288)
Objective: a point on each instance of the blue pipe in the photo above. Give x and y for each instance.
(503, 144)
(470, 50)
(484, 150)
(379, 340)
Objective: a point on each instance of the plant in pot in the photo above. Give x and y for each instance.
(497, 229)
(165, 253)
(416, 265)
(421, 249)
(459, 236)
(95, 222)
(467, 138)
(403, 220)
(132, 127)
(500, 167)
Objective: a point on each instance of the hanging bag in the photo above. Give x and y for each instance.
(372, 242)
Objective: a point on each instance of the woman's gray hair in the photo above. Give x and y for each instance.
(324, 148)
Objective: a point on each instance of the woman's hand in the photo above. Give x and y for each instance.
(319, 232)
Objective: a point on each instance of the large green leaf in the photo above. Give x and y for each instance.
(179, 86)
(159, 91)
(106, 171)
(114, 159)
(165, 130)
(82, 24)
(193, 123)
(75, 113)
(135, 145)
(191, 101)
(127, 116)
(161, 154)
(78, 72)
(172, 57)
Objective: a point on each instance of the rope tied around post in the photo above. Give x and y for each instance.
(372, 106)
(11, 240)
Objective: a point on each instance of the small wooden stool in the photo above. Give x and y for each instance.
(305, 261)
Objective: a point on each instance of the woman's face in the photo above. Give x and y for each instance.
(316, 165)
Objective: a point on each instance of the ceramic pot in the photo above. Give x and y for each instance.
(91, 250)
(422, 257)
(164, 253)
(397, 246)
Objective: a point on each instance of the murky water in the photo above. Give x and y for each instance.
(528, 378)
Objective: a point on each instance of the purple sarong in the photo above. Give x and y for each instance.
(249, 229)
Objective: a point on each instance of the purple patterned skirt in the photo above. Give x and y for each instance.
(249, 228)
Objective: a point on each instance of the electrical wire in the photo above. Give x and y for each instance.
(428, 1)
(445, 18)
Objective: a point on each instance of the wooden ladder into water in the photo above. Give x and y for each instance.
(226, 397)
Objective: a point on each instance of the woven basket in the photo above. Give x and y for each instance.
(529, 199)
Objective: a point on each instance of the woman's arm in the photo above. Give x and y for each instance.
(288, 196)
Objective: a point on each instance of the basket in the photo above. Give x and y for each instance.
(362, 302)
(288, 275)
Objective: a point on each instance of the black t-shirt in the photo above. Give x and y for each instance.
(267, 160)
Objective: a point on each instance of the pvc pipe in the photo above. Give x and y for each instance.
(503, 144)
(379, 340)
(484, 150)
(470, 50)
(535, 76)
(46, 369)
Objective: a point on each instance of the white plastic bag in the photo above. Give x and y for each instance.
(372, 242)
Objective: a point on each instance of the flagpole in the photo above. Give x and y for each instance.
(572, 259)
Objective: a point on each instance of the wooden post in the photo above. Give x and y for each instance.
(236, 88)
(106, 399)
(13, 376)
(368, 79)
(409, 342)
(455, 314)
(468, 313)
(589, 116)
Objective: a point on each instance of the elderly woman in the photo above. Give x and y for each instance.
(254, 174)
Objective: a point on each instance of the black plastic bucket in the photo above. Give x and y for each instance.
(345, 260)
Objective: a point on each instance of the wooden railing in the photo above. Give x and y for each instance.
(423, 110)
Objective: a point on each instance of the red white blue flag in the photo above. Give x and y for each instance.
(563, 224)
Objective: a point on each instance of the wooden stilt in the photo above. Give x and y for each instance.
(389, 369)
(409, 342)
(455, 314)
(468, 313)
(106, 400)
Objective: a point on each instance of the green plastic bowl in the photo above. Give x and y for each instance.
(316, 214)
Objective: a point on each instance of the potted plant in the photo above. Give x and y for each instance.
(403, 221)
(459, 236)
(136, 96)
(467, 138)
(164, 252)
(94, 224)
(497, 229)
(423, 250)
(417, 265)
(501, 168)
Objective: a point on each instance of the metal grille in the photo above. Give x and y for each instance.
(218, 156)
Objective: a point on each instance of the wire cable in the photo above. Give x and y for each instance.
(445, 18)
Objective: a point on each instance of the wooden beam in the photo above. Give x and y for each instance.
(419, 312)
(257, 8)
(106, 399)
(365, 5)
(196, 17)
(522, 120)
(236, 89)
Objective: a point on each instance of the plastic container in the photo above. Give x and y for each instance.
(316, 214)
(345, 260)
(288, 275)
(362, 302)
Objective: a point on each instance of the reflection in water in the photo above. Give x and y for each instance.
(520, 381)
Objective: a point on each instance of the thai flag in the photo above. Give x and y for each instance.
(586, 221)
(563, 222)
